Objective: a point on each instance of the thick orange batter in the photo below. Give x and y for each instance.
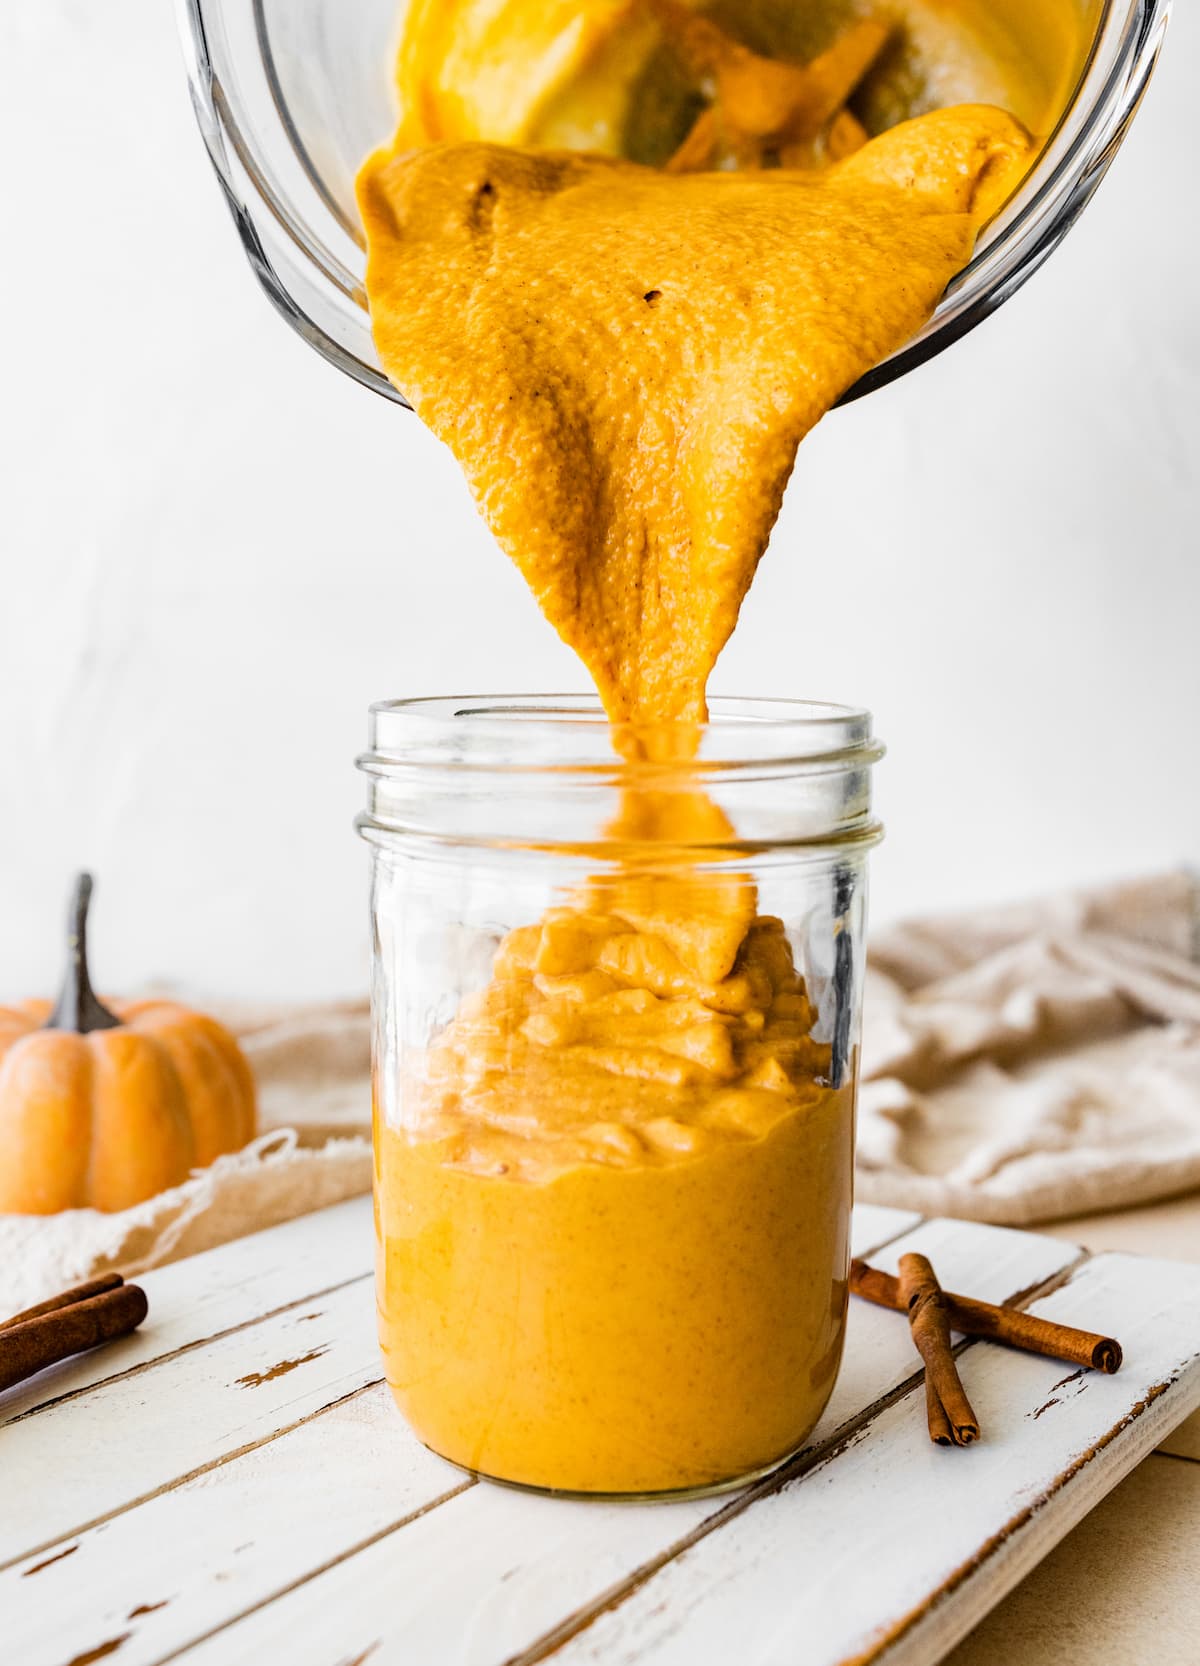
(624, 362)
(613, 1228)
(599, 75)
(613, 1220)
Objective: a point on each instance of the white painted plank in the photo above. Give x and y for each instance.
(87, 1457)
(229, 1516)
(871, 1225)
(152, 1580)
(893, 1541)
(1007, 1259)
(480, 1578)
(470, 1587)
(209, 1293)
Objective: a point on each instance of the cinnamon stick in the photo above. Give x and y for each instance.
(77, 1293)
(947, 1407)
(1008, 1325)
(940, 1432)
(31, 1345)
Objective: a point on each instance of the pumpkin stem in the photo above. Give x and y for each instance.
(78, 1008)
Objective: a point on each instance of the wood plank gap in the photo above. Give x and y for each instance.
(201, 1469)
(900, 1232)
(1047, 1286)
(464, 1485)
(177, 1353)
(847, 1435)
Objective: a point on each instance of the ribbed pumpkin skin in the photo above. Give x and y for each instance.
(107, 1119)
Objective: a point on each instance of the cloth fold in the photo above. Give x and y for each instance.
(1038, 1061)
(1019, 1064)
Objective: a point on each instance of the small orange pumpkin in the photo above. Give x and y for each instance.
(101, 1107)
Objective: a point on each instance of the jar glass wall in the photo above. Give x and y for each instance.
(616, 1011)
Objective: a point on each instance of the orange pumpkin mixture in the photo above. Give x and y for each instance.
(613, 1222)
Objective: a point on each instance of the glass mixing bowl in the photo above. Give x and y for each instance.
(291, 95)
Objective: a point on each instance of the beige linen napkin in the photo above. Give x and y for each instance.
(1028, 1063)
(1020, 1064)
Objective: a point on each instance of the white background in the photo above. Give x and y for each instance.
(216, 552)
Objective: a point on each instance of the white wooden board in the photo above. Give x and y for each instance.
(239, 1488)
(207, 1295)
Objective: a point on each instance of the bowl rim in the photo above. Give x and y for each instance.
(1073, 160)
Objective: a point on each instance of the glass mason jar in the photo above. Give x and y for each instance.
(616, 1003)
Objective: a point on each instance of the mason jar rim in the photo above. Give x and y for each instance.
(546, 772)
(570, 733)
